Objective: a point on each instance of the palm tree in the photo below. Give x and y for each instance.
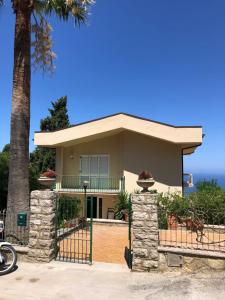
(26, 12)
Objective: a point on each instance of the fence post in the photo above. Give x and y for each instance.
(91, 232)
(42, 225)
(145, 232)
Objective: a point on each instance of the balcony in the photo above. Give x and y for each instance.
(70, 183)
(188, 180)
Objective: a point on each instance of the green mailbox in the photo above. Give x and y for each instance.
(22, 219)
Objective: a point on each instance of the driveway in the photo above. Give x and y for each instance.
(109, 242)
(63, 281)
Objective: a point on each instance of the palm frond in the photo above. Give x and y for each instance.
(65, 8)
(43, 56)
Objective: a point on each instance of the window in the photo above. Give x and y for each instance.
(95, 169)
(94, 165)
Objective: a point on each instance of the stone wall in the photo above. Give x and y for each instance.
(145, 232)
(42, 225)
(190, 263)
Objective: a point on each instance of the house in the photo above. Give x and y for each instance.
(111, 151)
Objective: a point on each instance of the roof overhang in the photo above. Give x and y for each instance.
(190, 149)
(183, 135)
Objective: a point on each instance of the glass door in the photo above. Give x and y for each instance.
(103, 172)
(94, 199)
(95, 169)
(97, 207)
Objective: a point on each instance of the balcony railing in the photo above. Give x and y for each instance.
(188, 180)
(95, 184)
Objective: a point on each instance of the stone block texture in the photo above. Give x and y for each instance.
(42, 225)
(145, 232)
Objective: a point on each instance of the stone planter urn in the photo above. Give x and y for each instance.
(145, 181)
(145, 184)
(47, 179)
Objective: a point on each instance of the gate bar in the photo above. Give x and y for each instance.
(91, 231)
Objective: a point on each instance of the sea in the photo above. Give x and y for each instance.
(220, 178)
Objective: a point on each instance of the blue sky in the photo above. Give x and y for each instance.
(163, 60)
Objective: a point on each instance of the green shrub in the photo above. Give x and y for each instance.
(162, 218)
(68, 208)
(209, 198)
(122, 204)
(174, 204)
(207, 204)
(208, 186)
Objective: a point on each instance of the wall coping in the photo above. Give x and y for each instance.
(201, 253)
(21, 249)
(109, 221)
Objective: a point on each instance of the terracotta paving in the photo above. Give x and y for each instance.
(109, 244)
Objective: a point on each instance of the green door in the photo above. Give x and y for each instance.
(94, 199)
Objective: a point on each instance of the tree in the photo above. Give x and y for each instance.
(58, 118)
(24, 10)
(4, 174)
(44, 158)
(208, 186)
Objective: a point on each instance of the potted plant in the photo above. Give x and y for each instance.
(145, 180)
(47, 178)
(172, 222)
(122, 206)
(175, 208)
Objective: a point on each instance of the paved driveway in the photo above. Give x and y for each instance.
(62, 281)
(109, 242)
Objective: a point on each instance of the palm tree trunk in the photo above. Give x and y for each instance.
(18, 185)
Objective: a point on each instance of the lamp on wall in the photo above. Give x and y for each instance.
(71, 156)
(85, 184)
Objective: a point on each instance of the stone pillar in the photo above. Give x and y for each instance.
(145, 232)
(42, 225)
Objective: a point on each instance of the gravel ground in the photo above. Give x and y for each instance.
(59, 280)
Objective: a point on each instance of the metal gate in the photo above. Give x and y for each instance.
(74, 232)
(129, 255)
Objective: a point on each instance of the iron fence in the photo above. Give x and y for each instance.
(95, 183)
(196, 229)
(11, 232)
(73, 233)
